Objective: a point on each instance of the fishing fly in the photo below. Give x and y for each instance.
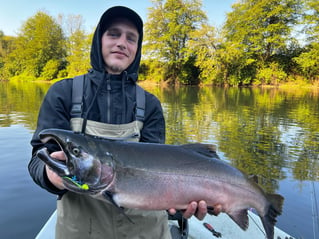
(76, 182)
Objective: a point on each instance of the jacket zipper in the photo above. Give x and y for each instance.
(108, 98)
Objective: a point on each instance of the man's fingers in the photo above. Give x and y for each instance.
(201, 210)
(54, 178)
(190, 210)
(58, 155)
(172, 211)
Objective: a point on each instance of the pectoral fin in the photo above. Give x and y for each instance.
(109, 196)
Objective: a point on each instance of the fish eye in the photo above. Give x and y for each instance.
(76, 151)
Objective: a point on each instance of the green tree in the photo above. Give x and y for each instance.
(1, 44)
(50, 70)
(78, 45)
(216, 58)
(308, 60)
(167, 32)
(260, 30)
(202, 45)
(40, 40)
(6, 46)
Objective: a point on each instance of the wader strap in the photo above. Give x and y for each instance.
(77, 95)
(140, 103)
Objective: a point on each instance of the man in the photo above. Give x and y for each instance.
(108, 108)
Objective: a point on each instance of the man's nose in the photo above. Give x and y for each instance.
(122, 42)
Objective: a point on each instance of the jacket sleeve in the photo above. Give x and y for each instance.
(54, 113)
(154, 124)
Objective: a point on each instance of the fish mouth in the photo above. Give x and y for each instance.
(67, 169)
(60, 167)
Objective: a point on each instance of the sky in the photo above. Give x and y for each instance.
(13, 13)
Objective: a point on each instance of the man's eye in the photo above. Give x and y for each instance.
(132, 39)
(113, 35)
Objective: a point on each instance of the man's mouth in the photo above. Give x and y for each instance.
(120, 53)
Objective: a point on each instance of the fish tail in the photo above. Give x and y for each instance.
(274, 209)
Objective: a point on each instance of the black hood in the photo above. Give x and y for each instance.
(97, 61)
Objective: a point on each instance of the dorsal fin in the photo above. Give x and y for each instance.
(253, 178)
(208, 150)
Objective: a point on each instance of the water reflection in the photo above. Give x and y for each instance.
(256, 129)
(271, 133)
(261, 131)
(20, 103)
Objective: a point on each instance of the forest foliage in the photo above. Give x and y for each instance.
(260, 43)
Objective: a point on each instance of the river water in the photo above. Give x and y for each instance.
(271, 133)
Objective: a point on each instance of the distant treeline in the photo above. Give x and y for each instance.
(261, 43)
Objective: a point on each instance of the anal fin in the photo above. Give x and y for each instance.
(241, 218)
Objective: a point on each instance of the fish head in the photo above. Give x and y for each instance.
(87, 168)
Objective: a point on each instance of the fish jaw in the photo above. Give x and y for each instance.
(81, 172)
(57, 166)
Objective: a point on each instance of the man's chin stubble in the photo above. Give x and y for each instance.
(115, 69)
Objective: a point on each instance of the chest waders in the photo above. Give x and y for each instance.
(80, 216)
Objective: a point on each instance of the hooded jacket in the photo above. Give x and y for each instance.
(107, 98)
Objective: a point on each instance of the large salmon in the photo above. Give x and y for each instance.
(158, 176)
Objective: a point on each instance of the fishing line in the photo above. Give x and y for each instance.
(183, 225)
(314, 208)
(254, 221)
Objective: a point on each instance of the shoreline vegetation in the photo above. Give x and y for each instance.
(152, 84)
(287, 85)
(261, 43)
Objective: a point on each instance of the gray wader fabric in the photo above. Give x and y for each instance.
(130, 131)
(81, 216)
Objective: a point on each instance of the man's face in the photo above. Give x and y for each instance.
(119, 45)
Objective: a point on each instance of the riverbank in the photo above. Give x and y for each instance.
(292, 85)
(286, 85)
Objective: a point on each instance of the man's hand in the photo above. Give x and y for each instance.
(55, 179)
(199, 209)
